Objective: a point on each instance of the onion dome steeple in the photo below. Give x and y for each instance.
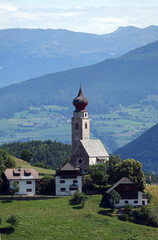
(80, 102)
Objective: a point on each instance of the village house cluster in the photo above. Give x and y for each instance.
(85, 152)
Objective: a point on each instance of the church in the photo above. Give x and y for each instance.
(85, 151)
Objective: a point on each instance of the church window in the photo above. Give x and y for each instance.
(76, 125)
(80, 160)
(85, 115)
(85, 125)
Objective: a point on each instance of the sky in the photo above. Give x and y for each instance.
(91, 16)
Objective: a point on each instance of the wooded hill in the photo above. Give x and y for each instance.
(27, 53)
(125, 80)
(52, 154)
(144, 149)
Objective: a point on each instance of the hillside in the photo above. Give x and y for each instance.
(52, 154)
(58, 219)
(125, 80)
(143, 149)
(23, 164)
(28, 53)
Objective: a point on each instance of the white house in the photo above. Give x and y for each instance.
(129, 193)
(24, 177)
(67, 180)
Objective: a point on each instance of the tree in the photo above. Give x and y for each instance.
(133, 170)
(14, 189)
(98, 174)
(112, 167)
(47, 185)
(26, 155)
(12, 220)
(114, 197)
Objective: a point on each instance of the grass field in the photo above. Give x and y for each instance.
(58, 219)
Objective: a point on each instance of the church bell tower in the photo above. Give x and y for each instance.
(80, 120)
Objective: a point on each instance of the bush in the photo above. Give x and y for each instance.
(149, 196)
(128, 210)
(124, 217)
(144, 216)
(79, 198)
(12, 220)
(114, 197)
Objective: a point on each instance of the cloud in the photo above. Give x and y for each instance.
(92, 16)
(8, 7)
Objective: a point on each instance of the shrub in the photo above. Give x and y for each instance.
(144, 216)
(12, 220)
(114, 197)
(149, 196)
(79, 198)
(124, 217)
(128, 210)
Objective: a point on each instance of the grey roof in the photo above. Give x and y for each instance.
(94, 148)
(21, 173)
(123, 180)
(68, 167)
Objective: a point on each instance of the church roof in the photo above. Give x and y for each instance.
(94, 148)
(80, 102)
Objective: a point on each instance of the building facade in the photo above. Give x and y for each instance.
(68, 180)
(24, 177)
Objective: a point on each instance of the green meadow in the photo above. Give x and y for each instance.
(58, 219)
(54, 122)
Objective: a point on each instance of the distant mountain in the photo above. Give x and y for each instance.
(28, 53)
(143, 149)
(125, 80)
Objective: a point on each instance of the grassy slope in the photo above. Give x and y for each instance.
(57, 219)
(24, 164)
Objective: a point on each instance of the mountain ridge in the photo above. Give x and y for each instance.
(29, 53)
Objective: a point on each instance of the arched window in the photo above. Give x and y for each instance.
(76, 125)
(80, 160)
(85, 125)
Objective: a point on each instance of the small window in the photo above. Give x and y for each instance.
(75, 181)
(62, 181)
(126, 202)
(85, 125)
(85, 114)
(28, 190)
(135, 202)
(80, 160)
(28, 182)
(85, 170)
(62, 189)
(76, 125)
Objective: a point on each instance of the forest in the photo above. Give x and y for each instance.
(50, 154)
